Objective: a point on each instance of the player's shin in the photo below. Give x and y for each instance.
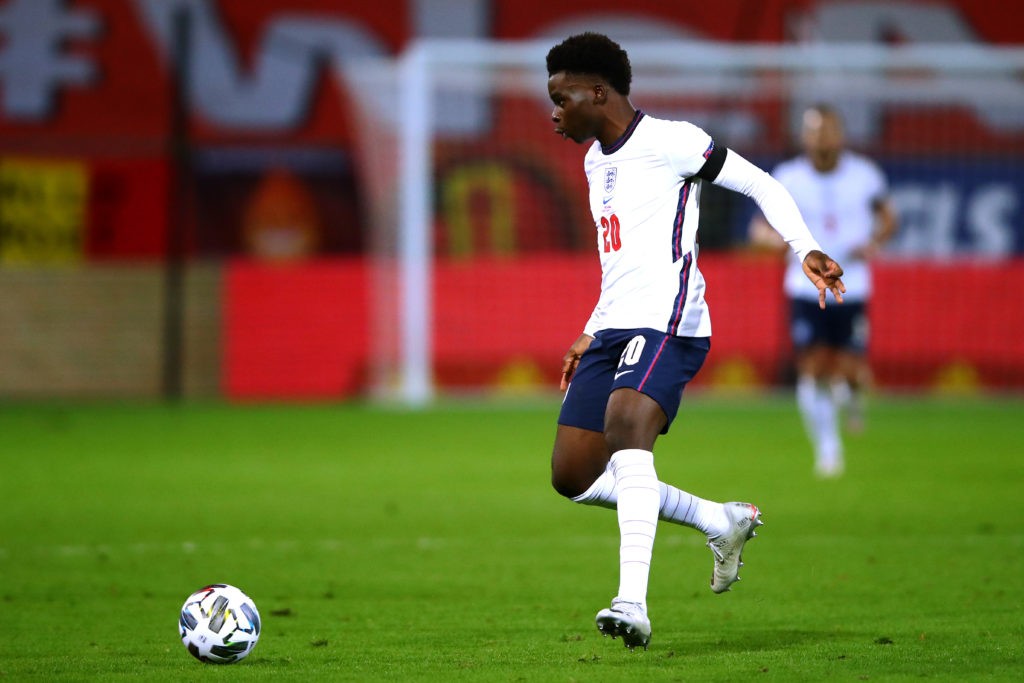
(638, 504)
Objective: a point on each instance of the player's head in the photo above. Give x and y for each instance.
(592, 54)
(585, 71)
(822, 136)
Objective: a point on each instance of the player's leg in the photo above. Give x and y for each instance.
(581, 471)
(580, 460)
(632, 424)
(580, 455)
(849, 388)
(853, 369)
(664, 365)
(818, 408)
(579, 464)
(815, 365)
(728, 525)
(652, 372)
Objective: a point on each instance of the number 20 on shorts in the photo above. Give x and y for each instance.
(610, 233)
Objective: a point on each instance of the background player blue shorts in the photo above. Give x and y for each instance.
(652, 362)
(841, 327)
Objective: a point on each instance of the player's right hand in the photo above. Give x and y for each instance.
(825, 273)
(572, 358)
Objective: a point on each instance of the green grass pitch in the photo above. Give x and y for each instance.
(388, 545)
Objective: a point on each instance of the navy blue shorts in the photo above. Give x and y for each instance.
(842, 326)
(654, 363)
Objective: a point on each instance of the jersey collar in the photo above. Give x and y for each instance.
(617, 145)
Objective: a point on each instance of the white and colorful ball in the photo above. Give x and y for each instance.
(219, 624)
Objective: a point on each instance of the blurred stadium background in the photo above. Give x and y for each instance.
(312, 199)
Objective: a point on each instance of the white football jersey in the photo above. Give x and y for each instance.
(838, 207)
(645, 202)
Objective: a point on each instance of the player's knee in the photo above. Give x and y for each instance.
(568, 484)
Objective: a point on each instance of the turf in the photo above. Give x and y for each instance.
(388, 545)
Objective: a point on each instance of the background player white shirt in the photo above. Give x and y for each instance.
(838, 207)
(645, 204)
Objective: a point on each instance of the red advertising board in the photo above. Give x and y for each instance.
(302, 332)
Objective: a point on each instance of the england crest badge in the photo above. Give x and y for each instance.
(609, 179)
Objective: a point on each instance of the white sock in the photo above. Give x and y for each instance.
(636, 484)
(829, 447)
(807, 402)
(818, 408)
(675, 505)
(842, 392)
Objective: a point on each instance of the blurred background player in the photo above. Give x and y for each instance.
(843, 198)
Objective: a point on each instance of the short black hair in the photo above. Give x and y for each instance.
(592, 53)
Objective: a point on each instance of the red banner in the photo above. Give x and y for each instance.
(92, 81)
(304, 331)
(97, 75)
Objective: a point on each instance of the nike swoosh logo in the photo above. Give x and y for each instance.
(620, 374)
(606, 200)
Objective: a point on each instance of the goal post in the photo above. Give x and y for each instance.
(459, 123)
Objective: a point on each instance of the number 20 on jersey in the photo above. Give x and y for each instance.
(610, 233)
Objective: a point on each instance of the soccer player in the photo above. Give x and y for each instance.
(843, 197)
(650, 331)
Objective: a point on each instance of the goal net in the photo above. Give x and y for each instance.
(483, 248)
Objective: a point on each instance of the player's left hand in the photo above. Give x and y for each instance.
(572, 358)
(825, 274)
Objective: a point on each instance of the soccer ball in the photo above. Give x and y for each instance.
(219, 624)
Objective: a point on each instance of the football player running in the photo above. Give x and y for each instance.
(650, 330)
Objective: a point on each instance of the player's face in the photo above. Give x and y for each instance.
(574, 115)
(822, 138)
